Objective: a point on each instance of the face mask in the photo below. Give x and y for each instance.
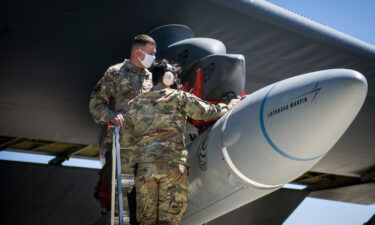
(148, 60)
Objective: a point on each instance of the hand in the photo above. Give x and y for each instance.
(118, 120)
(233, 102)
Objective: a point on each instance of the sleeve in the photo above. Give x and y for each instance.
(199, 109)
(100, 98)
(127, 139)
(127, 144)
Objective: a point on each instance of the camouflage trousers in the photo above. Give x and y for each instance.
(162, 193)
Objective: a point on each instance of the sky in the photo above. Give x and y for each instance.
(44, 159)
(357, 19)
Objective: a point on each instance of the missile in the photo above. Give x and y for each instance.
(269, 139)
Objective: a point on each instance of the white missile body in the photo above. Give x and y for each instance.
(269, 139)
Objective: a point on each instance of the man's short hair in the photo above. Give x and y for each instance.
(142, 40)
(159, 67)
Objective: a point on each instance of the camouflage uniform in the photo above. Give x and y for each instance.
(120, 83)
(156, 126)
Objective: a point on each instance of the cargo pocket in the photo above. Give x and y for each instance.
(176, 209)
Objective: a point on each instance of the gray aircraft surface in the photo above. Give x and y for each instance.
(53, 53)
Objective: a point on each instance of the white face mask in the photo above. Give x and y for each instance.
(148, 60)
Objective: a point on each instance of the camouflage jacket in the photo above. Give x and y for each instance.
(120, 83)
(156, 124)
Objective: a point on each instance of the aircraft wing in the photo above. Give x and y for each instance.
(53, 53)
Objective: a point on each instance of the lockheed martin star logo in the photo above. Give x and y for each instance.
(314, 91)
(296, 103)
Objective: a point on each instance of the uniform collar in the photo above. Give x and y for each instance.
(134, 69)
(157, 88)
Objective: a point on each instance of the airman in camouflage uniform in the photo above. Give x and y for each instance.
(156, 125)
(120, 83)
(109, 100)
